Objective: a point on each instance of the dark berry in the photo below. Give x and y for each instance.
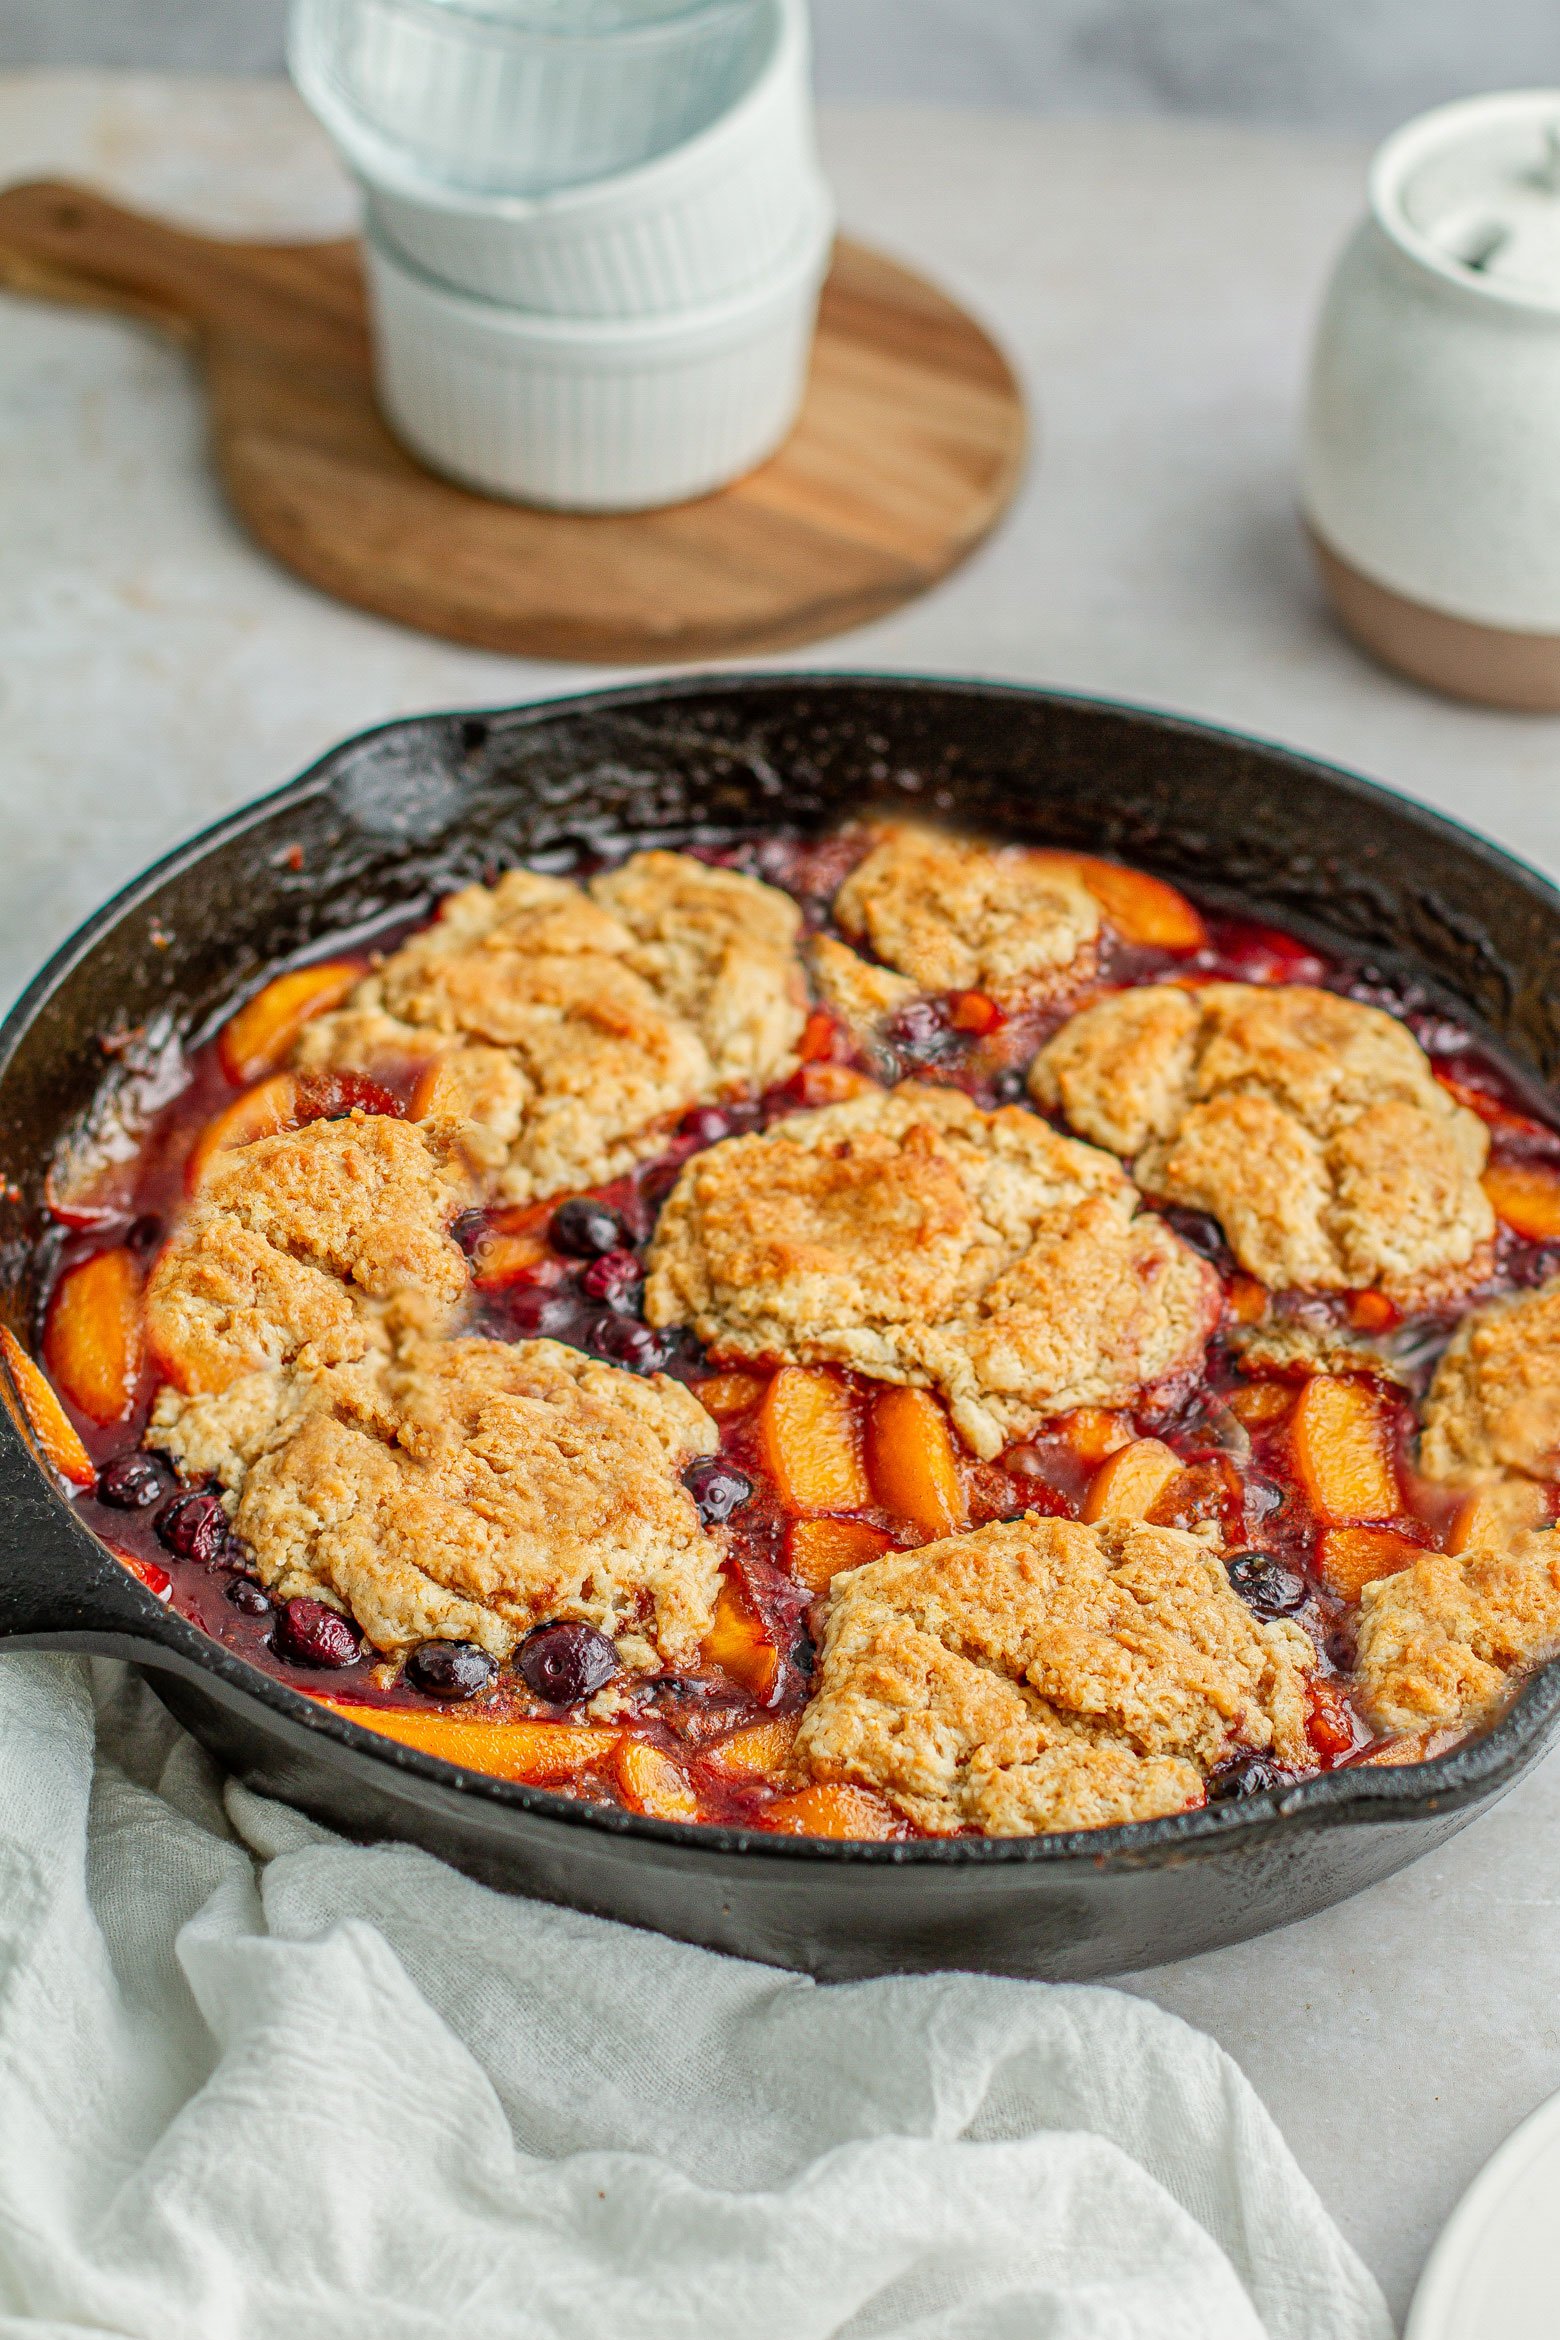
(614, 1277)
(144, 1234)
(623, 1340)
(469, 1229)
(1199, 1233)
(921, 1028)
(586, 1229)
(566, 1662)
(193, 1527)
(132, 1481)
(1266, 1585)
(247, 1597)
(312, 1635)
(717, 1487)
(706, 1125)
(1008, 1087)
(1248, 1775)
(449, 1669)
(538, 1313)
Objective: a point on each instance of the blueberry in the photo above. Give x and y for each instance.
(312, 1635)
(1266, 1585)
(718, 1488)
(538, 1313)
(144, 1234)
(1008, 1087)
(1200, 1233)
(921, 1028)
(194, 1527)
(623, 1340)
(565, 1662)
(706, 1125)
(132, 1481)
(1248, 1775)
(449, 1669)
(615, 1278)
(586, 1229)
(247, 1596)
(469, 1229)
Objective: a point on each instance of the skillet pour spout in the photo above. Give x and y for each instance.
(383, 826)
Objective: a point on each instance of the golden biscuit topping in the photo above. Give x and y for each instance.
(1312, 1128)
(918, 1239)
(953, 914)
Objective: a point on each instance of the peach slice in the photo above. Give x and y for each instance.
(738, 1644)
(820, 1037)
(1248, 1300)
(725, 1395)
(1261, 1403)
(1372, 1311)
(1342, 1449)
(260, 1036)
(650, 1782)
(1491, 1514)
(822, 1083)
(512, 1246)
(759, 1752)
(1420, 1747)
(839, 1811)
(51, 1425)
(1331, 1723)
(1142, 909)
(92, 1342)
(912, 1463)
(811, 1450)
(1353, 1557)
(1093, 1433)
(1130, 1482)
(539, 1753)
(817, 1550)
(973, 1011)
(1526, 1196)
(1490, 1109)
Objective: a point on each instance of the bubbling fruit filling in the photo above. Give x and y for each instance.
(865, 1336)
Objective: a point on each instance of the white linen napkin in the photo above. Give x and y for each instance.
(258, 2084)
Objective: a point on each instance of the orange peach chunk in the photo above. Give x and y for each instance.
(260, 1113)
(1526, 1195)
(51, 1425)
(650, 1782)
(835, 1810)
(1142, 909)
(1261, 1403)
(259, 1037)
(1490, 1514)
(1130, 1482)
(725, 1395)
(1093, 1432)
(738, 1644)
(762, 1751)
(1353, 1557)
(1342, 1450)
(92, 1342)
(817, 1550)
(539, 1753)
(811, 1448)
(912, 1463)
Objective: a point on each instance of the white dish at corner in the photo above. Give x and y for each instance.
(1494, 2273)
(712, 217)
(1432, 445)
(512, 97)
(591, 414)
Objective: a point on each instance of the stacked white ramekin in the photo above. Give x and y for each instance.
(595, 230)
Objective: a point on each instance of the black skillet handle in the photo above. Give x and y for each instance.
(59, 1587)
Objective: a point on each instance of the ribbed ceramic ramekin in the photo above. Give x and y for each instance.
(523, 98)
(595, 415)
(714, 216)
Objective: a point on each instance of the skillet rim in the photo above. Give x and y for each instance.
(1470, 1773)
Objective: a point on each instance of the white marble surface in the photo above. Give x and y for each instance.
(1154, 282)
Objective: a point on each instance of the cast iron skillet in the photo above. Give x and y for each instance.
(401, 815)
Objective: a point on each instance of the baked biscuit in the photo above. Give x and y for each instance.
(1310, 1127)
(953, 914)
(1494, 1405)
(301, 1243)
(1444, 1641)
(1041, 1674)
(569, 1028)
(914, 1238)
(476, 1488)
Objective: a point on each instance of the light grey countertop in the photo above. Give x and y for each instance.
(1155, 283)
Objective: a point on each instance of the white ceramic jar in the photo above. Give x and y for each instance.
(1431, 472)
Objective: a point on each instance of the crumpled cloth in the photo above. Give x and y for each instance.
(259, 2084)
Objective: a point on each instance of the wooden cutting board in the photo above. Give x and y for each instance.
(909, 448)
